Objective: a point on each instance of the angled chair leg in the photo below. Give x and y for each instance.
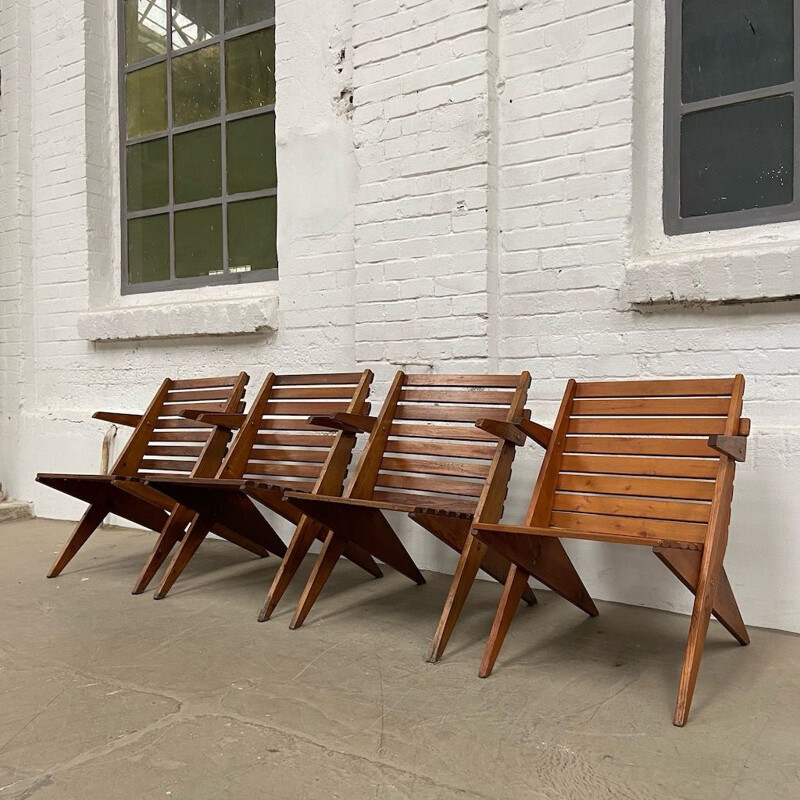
(191, 541)
(331, 551)
(468, 565)
(88, 524)
(168, 538)
(512, 594)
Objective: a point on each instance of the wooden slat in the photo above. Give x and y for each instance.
(186, 397)
(427, 466)
(630, 527)
(178, 408)
(448, 449)
(638, 487)
(456, 395)
(200, 436)
(622, 465)
(285, 483)
(449, 413)
(628, 507)
(283, 470)
(410, 501)
(652, 407)
(172, 450)
(287, 424)
(180, 422)
(427, 484)
(658, 388)
(312, 392)
(296, 439)
(489, 381)
(652, 426)
(639, 445)
(305, 409)
(200, 383)
(318, 379)
(272, 454)
(167, 464)
(457, 432)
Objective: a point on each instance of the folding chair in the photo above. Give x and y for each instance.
(162, 442)
(425, 421)
(633, 462)
(275, 449)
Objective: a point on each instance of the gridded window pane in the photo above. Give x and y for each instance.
(147, 175)
(251, 154)
(731, 46)
(146, 100)
(252, 226)
(250, 70)
(148, 249)
(194, 21)
(737, 157)
(197, 163)
(195, 86)
(239, 13)
(198, 242)
(145, 29)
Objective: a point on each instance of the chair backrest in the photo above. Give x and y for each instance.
(278, 445)
(164, 442)
(631, 459)
(425, 441)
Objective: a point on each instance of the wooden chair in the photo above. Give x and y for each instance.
(162, 442)
(275, 450)
(634, 462)
(425, 457)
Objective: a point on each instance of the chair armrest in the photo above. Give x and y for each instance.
(733, 446)
(218, 418)
(539, 433)
(508, 431)
(344, 421)
(116, 418)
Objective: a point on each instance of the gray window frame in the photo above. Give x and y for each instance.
(226, 278)
(675, 109)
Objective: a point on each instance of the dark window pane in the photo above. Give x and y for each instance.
(250, 70)
(146, 100)
(145, 29)
(195, 86)
(737, 157)
(198, 242)
(194, 21)
(731, 46)
(148, 249)
(252, 226)
(198, 169)
(251, 154)
(239, 13)
(147, 174)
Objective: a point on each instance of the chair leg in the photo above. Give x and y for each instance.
(169, 537)
(89, 523)
(191, 541)
(468, 565)
(331, 551)
(512, 593)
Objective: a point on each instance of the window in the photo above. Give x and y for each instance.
(730, 114)
(197, 89)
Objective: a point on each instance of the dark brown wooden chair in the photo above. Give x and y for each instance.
(162, 442)
(275, 450)
(425, 457)
(633, 462)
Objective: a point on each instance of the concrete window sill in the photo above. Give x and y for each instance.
(178, 320)
(752, 275)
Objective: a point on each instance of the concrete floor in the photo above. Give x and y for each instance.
(106, 695)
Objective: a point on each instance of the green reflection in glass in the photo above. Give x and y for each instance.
(250, 70)
(195, 86)
(251, 154)
(145, 30)
(194, 21)
(147, 175)
(239, 13)
(198, 242)
(146, 100)
(197, 163)
(148, 249)
(252, 232)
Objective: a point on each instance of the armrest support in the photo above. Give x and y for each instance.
(116, 418)
(344, 421)
(509, 431)
(218, 418)
(539, 433)
(733, 446)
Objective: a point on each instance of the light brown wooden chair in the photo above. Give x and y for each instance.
(162, 442)
(425, 457)
(275, 450)
(634, 462)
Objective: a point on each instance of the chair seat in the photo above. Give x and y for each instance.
(397, 501)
